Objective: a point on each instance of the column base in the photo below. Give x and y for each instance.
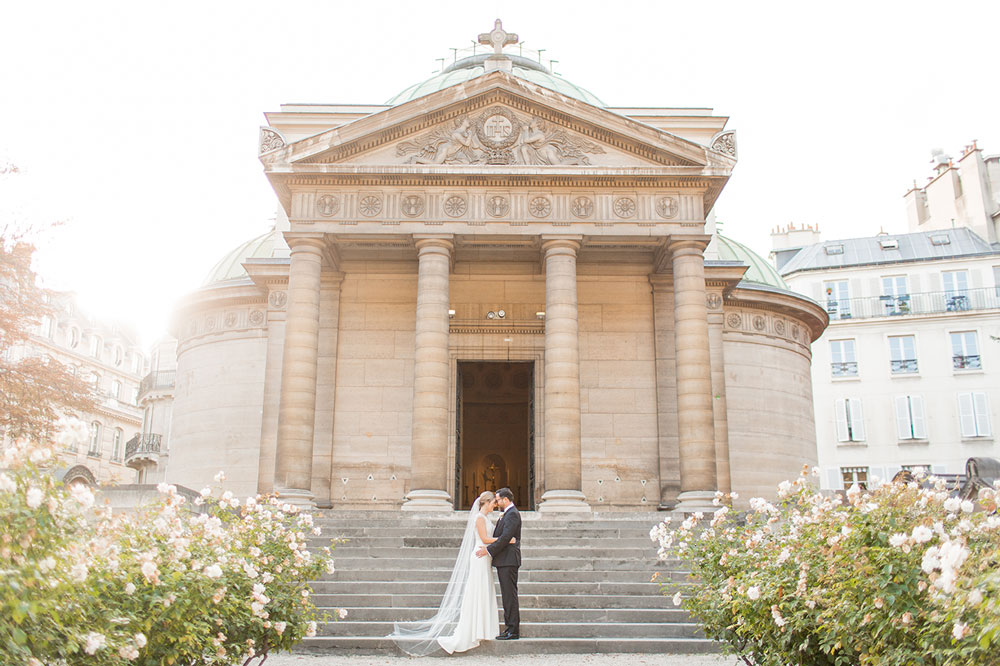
(436, 501)
(299, 497)
(696, 500)
(564, 501)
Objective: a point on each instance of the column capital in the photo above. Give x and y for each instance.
(446, 241)
(568, 244)
(661, 281)
(311, 242)
(682, 244)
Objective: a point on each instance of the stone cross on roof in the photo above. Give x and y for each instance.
(498, 38)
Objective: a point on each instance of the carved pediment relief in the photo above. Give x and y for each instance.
(498, 135)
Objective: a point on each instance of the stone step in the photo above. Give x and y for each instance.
(525, 588)
(455, 542)
(528, 646)
(561, 564)
(526, 600)
(379, 575)
(527, 552)
(540, 629)
(456, 532)
(560, 615)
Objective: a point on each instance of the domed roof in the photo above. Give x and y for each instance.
(473, 66)
(761, 271)
(230, 267)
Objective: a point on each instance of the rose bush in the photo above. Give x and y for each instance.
(902, 574)
(224, 584)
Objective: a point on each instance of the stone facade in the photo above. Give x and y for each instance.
(494, 238)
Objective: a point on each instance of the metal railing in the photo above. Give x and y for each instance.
(146, 444)
(903, 366)
(846, 369)
(157, 380)
(966, 362)
(935, 302)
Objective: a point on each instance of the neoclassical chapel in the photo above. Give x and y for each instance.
(494, 279)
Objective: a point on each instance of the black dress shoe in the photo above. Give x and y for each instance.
(505, 636)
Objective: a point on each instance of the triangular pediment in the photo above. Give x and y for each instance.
(497, 119)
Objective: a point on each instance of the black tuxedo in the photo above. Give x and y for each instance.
(507, 560)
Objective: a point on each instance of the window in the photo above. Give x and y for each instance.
(45, 329)
(919, 471)
(843, 362)
(956, 290)
(136, 363)
(910, 417)
(850, 420)
(895, 295)
(940, 239)
(996, 280)
(852, 475)
(74, 337)
(974, 414)
(95, 379)
(889, 244)
(96, 346)
(834, 249)
(119, 355)
(95, 439)
(116, 447)
(115, 391)
(902, 354)
(133, 394)
(965, 351)
(838, 304)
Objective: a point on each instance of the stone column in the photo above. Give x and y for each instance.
(666, 388)
(297, 408)
(714, 300)
(429, 447)
(695, 419)
(563, 477)
(326, 387)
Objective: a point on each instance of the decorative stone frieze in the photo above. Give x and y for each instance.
(725, 143)
(269, 140)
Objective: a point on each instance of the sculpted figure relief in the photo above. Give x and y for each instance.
(498, 137)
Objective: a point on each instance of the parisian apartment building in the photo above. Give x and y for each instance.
(907, 375)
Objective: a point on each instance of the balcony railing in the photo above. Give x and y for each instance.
(156, 381)
(846, 369)
(966, 362)
(142, 449)
(903, 366)
(935, 302)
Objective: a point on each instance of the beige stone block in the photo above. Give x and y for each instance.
(397, 399)
(627, 317)
(387, 372)
(626, 374)
(352, 316)
(610, 401)
(590, 375)
(350, 372)
(360, 399)
(590, 318)
(390, 316)
(367, 344)
(635, 425)
(398, 290)
(476, 291)
(609, 346)
(525, 291)
(596, 425)
(608, 291)
(346, 423)
(403, 344)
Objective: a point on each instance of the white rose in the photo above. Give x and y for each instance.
(952, 504)
(34, 497)
(342, 613)
(922, 534)
(311, 629)
(753, 593)
(95, 642)
(967, 506)
(279, 627)
(220, 477)
(7, 484)
(213, 571)
(129, 588)
(677, 599)
(897, 540)
(960, 630)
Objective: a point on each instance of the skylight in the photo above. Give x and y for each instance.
(889, 244)
(940, 239)
(834, 249)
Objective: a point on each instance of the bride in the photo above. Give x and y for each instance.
(468, 612)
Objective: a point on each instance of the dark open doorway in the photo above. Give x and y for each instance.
(495, 431)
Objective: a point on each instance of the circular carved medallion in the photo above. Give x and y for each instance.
(497, 206)
(278, 299)
(734, 320)
(498, 128)
(713, 301)
(795, 332)
(455, 206)
(582, 207)
(666, 207)
(370, 205)
(779, 327)
(256, 317)
(412, 205)
(230, 320)
(210, 324)
(540, 207)
(327, 205)
(624, 207)
(759, 323)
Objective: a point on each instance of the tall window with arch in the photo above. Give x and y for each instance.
(116, 445)
(94, 449)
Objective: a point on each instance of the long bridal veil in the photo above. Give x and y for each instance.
(419, 639)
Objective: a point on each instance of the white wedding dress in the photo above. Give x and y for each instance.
(478, 618)
(468, 613)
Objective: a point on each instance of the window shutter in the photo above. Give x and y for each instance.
(982, 409)
(834, 479)
(903, 425)
(966, 415)
(917, 411)
(857, 420)
(876, 476)
(841, 416)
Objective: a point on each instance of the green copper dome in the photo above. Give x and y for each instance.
(760, 271)
(265, 246)
(473, 66)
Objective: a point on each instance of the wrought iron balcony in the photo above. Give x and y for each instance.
(966, 362)
(935, 302)
(157, 381)
(143, 449)
(903, 366)
(846, 369)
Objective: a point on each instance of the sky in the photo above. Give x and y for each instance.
(135, 124)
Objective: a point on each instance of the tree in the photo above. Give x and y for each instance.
(35, 389)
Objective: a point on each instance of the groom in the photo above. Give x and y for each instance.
(507, 559)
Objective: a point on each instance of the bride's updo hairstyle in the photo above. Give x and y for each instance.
(487, 496)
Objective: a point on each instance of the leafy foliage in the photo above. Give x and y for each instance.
(901, 575)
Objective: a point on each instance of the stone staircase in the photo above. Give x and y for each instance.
(584, 583)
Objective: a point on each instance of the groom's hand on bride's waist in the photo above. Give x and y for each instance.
(482, 552)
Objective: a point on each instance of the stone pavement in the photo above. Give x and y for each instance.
(296, 659)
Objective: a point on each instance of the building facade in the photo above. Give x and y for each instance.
(494, 279)
(907, 375)
(108, 355)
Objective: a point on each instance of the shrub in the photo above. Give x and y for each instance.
(899, 575)
(167, 585)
